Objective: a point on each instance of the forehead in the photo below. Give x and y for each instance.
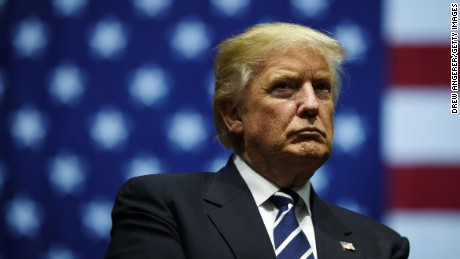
(297, 62)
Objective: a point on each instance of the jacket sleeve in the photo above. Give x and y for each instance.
(403, 251)
(143, 225)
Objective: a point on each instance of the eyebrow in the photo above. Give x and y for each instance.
(288, 74)
(283, 74)
(323, 75)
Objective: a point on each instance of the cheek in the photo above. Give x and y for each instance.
(328, 118)
(267, 123)
(278, 119)
(329, 124)
(330, 128)
(274, 111)
(269, 117)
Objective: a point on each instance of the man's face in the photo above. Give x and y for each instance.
(288, 110)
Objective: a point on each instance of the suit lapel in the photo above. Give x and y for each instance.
(234, 213)
(329, 231)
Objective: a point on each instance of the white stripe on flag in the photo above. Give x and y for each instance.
(418, 129)
(416, 22)
(432, 234)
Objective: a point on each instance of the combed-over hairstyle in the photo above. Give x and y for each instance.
(243, 56)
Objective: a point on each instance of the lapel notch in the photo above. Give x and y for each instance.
(233, 211)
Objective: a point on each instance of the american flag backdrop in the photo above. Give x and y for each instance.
(420, 139)
(95, 92)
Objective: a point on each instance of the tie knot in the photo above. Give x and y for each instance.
(284, 197)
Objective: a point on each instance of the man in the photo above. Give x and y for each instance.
(276, 88)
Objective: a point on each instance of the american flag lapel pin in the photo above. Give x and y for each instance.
(346, 246)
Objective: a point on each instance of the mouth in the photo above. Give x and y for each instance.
(308, 133)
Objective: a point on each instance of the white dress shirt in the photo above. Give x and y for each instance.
(262, 189)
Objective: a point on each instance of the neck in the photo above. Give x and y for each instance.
(284, 172)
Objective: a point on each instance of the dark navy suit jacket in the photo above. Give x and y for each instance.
(213, 215)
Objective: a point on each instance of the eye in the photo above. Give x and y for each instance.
(281, 85)
(323, 89)
(323, 86)
(282, 89)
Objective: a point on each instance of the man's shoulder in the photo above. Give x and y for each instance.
(360, 223)
(161, 192)
(174, 177)
(177, 187)
(172, 181)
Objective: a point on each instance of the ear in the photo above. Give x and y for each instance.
(231, 117)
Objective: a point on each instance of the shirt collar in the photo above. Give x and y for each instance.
(262, 188)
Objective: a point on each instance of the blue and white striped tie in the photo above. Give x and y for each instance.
(290, 241)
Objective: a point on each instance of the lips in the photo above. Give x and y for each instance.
(309, 132)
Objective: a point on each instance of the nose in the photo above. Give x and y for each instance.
(308, 103)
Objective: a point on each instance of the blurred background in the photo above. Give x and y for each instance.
(95, 92)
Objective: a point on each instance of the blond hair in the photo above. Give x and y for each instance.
(242, 57)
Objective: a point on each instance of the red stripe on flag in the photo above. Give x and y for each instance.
(419, 66)
(424, 188)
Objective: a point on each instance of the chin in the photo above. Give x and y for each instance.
(311, 149)
(310, 153)
(314, 158)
